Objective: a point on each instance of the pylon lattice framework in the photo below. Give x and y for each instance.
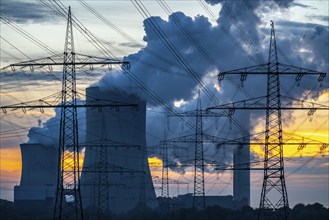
(165, 176)
(199, 191)
(198, 139)
(103, 175)
(68, 197)
(274, 184)
(274, 197)
(68, 177)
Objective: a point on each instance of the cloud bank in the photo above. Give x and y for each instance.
(166, 77)
(25, 11)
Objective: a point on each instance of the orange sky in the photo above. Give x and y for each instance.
(10, 165)
(315, 128)
(299, 127)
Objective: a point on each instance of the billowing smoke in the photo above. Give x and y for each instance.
(161, 72)
(280, 3)
(315, 41)
(47, 133)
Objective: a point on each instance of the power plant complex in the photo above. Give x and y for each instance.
(115, 175)
(39, 175)
(122, 133)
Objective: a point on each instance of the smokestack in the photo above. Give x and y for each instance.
(241, 160)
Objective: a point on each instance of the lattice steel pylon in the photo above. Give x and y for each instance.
(274, 184)
(198, 138)
(103, 203)
(274, 197)
(165, 181)
(199, 192)
(68, 196)
(165, 177)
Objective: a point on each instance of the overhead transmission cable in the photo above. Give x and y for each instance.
(157, 29)
(227, 31)
(27, 35)
(251, 7)
(129, 74)
(131, 39)
(79, 26)
(227, 9)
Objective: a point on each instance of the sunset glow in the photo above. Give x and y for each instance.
(199, 76)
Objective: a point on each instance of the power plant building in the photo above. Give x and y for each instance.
(37, 187)
(241, 162)
(115, 175)
(122, 131)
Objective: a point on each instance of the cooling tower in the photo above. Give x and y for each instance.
(241, 162)
(127, 173)
(39, 175)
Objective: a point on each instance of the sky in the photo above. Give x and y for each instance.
(302, 36)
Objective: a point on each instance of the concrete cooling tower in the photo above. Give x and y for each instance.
(124, 164)
(37, 187)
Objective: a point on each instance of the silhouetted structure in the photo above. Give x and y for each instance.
(68, 196)
(274, 197)
(241, 159)
(129, 180)
(37, 188)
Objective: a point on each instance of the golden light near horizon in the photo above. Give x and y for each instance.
(181, 179)
(293, 22)
(302, 128)
(155, 165)
(69, 161)
(11, 164)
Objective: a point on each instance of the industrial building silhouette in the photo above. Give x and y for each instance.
(127, 174)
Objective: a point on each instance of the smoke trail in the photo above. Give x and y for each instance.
(165, 76)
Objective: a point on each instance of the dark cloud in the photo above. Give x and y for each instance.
(167, 70)
(280, 3)
(165, 76)
(316, 41)
(297, 25)
(302, 5)
(25, 11)
(320, 18)
(132, 45)
(27, 79)
(167, 79)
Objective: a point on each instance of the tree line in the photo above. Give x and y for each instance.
(314, 211)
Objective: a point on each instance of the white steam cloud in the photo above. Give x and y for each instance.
(48, 132)
(158, 69)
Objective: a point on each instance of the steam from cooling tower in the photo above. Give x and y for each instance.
(162, 73)
(47, 133)
(158, 68)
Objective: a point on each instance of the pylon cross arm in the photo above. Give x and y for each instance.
(263, 69)
(80, 60)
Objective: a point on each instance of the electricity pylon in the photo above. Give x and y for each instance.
(198, 139)
(274, 197)
(165, 173)
(68, 203)
(102, 169)
(165, 177)
(103, 175)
